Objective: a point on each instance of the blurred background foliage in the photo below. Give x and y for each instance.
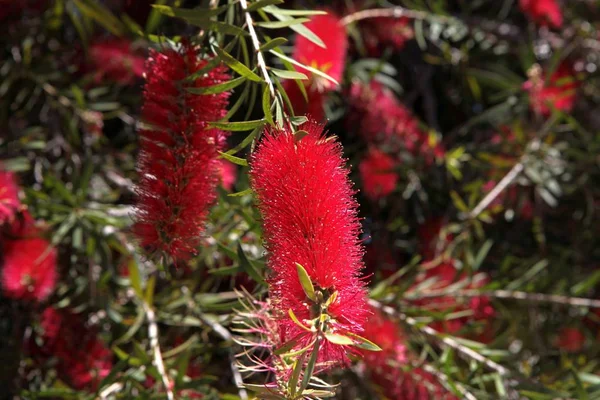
(68, 130)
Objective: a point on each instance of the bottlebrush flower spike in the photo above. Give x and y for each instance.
(178, 164)
(9, 197)
(83, 360)
(377, 174)
(381, 118)
(330, 60)
(29, 264)
(558, 93)
(543, 12)
(310, 218)
(115, 59)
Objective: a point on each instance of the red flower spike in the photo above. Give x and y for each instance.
(558, 93)
(377, 174)
(310, 218)
(115, 60)
(570, 339)
(29, 269)
(178, 161)
(543, 12)
(382, 119)
(9, 197)
(330, 60)
(83, 360)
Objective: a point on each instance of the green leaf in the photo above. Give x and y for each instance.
(271, 44)
(249, 268)
(298, 135)
(311, 69)
(240, 194)
(310, 367)
(234, 159)
(282, 11)
(263, 3)
(287, 346)
(297, 321)
(236, 65)
(339, 339)
(363, 343)
(135, 279)
(149, 296)
(306, 283)
(293, 383)
(300, 29)
(218, 88)
(190, 14)
(247, 140)
(101, 15)
(238, 126)
(284, 74)
(266, 105)
(282, 24)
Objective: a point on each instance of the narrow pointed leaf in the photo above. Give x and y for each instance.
(306, 283)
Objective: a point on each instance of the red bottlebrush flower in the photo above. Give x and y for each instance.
(377, 174)
(385, 367)
(115, 60)
(9, 197)
(330, 60)
(379, 33)
(228, 174)
(178, 164)
(82, 359)
(558, 93)
(310, 218)
(381, 118)
(570, 339)
(29, 268)
(543, 12)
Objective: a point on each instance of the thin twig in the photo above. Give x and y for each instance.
(392, 12)
(444, 378)
(499, 188)
(226, 336)
(447, 341)
(513, 295)
(158, 360)
(255, 42)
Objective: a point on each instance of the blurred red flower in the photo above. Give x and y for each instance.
(115, 60)
(380, 33)
(543, 12)
(227, 173)
(82, 359)
(381, 118)
(9, 197)
(570, 339)
(330, 59)
(310, 218)
(29, 263)
(558, 92)
(388, 368)
(377, 174)
(178, 164)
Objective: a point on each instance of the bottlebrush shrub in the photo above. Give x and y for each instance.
(178, 161)
(82, 359)
(377, 174)
(381, 119)
(558, 93)
(330, 59)
(310, 218)
(543, 12)
(29, 263)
